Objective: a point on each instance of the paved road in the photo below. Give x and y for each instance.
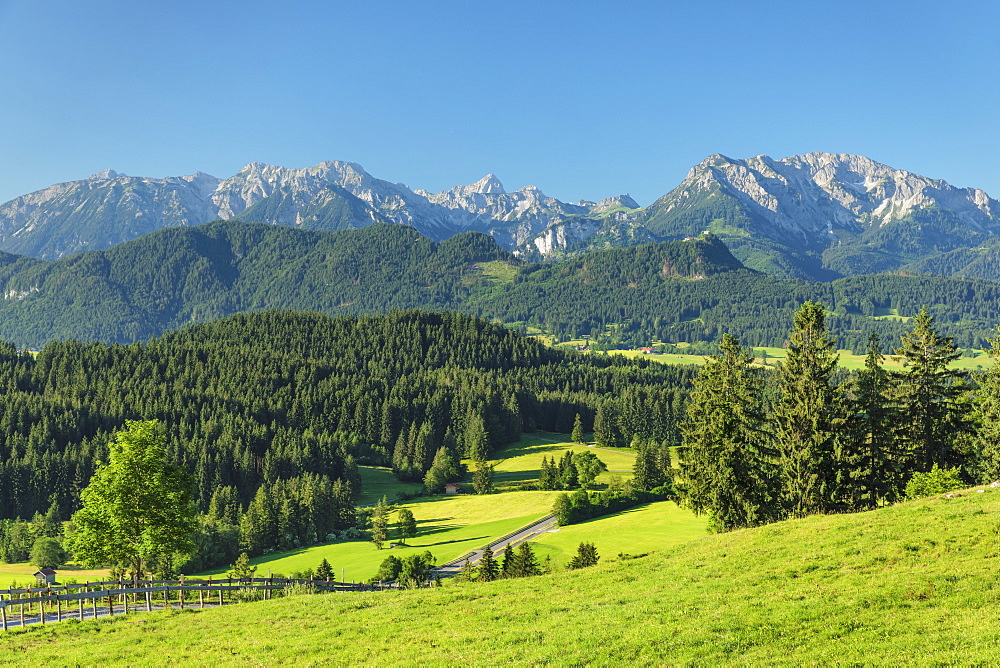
(533, 530)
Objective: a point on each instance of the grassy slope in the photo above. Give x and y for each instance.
(526, 455)
(914, 582)
(377, 482)
(653, 527)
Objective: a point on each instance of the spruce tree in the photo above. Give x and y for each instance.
(527, 562)
(567, 471)
(548, 476)
(577, 434)
(930, 394)
(986, 417)
(508, 567)
(324, 571)
(646, 473)
(482, 478)
(871, 474)
(380, 523)
(810, 417)
(586, 555)
(727, 465)
(488, 568)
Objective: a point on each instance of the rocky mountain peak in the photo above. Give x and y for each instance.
(104, 176)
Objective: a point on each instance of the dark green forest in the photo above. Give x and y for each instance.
(273, 411)
(677, 291)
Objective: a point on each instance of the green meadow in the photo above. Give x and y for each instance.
(525, 456)
(912, 583)
(21, 574)
(448, 526)
(649, 528)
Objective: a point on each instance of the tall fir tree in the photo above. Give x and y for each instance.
(577, 434)
(646, 472)
(872, 475)
(527, 562)
(380, 523)
(934, 415)
(810, 416)
(727, 464)
(488, 568)
(986, 418)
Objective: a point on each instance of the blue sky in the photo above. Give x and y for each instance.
(582, 99)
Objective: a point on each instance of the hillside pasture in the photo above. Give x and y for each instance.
(523, 460)
(911, 583)
(649, 528)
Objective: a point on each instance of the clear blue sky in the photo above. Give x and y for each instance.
(583, 99)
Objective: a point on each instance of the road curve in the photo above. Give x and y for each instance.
(498, 546)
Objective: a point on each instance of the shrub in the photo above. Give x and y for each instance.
(935, 481)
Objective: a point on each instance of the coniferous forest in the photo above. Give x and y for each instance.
(272, 412)
(761, 447)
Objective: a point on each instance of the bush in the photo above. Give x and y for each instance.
(47, 553)
(935, 481)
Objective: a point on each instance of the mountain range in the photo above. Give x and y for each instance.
(818, 216)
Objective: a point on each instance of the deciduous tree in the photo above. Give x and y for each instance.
(406, 524)
(137, 505)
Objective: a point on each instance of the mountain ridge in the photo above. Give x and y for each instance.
(817, 215)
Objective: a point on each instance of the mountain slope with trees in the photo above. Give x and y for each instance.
(271, 412)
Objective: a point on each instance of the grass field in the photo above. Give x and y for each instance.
(525, 456)
(449, 526)
(649, 528)
(22, 574)
(912, 583)
(377, 482)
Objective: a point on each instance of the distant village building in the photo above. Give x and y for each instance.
(45, 576)
(451, 488)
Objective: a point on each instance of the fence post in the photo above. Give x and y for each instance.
(58, 609)
(180, 592)
(3, 617)
(41, 611)
(220, 593)
(149, 599)
(93, 604)
(80, 601)
(111, 605)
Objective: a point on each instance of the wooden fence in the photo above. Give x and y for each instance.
(144, 595)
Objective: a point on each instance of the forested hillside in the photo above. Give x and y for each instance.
(192, 274)
(674, 291)
(272, 411)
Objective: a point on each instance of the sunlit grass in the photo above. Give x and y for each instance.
(913, 583)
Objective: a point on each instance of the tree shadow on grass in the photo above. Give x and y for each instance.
(528, 448)
(457, 540)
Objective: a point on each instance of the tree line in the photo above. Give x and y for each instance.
(757, 448)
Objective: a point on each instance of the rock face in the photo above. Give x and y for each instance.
(109, 208)
(827, 212)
